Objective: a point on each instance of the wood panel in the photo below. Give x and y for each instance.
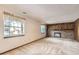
(60, 27)
(77, 30)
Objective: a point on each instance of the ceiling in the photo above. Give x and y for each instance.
(51, 13)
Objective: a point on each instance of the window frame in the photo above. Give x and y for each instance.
(16, 20)
(44, 29)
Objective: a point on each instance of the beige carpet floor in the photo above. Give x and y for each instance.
(48, 46)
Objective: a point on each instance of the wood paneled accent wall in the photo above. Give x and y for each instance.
(60, 27)
(77, 30)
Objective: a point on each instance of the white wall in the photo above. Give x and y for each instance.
(32, 32)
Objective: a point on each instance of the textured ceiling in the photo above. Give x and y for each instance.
(51, 13)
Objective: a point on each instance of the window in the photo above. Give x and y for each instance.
(12, 26)
(43, 29)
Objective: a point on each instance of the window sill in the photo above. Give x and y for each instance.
(42, 33)
(13, 36)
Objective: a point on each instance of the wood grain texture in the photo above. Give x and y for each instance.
(48, 46)
(60, 27)
(76, 30)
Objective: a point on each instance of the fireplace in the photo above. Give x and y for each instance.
(57, 34)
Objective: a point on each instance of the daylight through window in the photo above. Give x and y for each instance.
(12, 26)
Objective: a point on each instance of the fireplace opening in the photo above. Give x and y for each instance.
(57, 34)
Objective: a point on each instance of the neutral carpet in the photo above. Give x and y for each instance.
(48, 46)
